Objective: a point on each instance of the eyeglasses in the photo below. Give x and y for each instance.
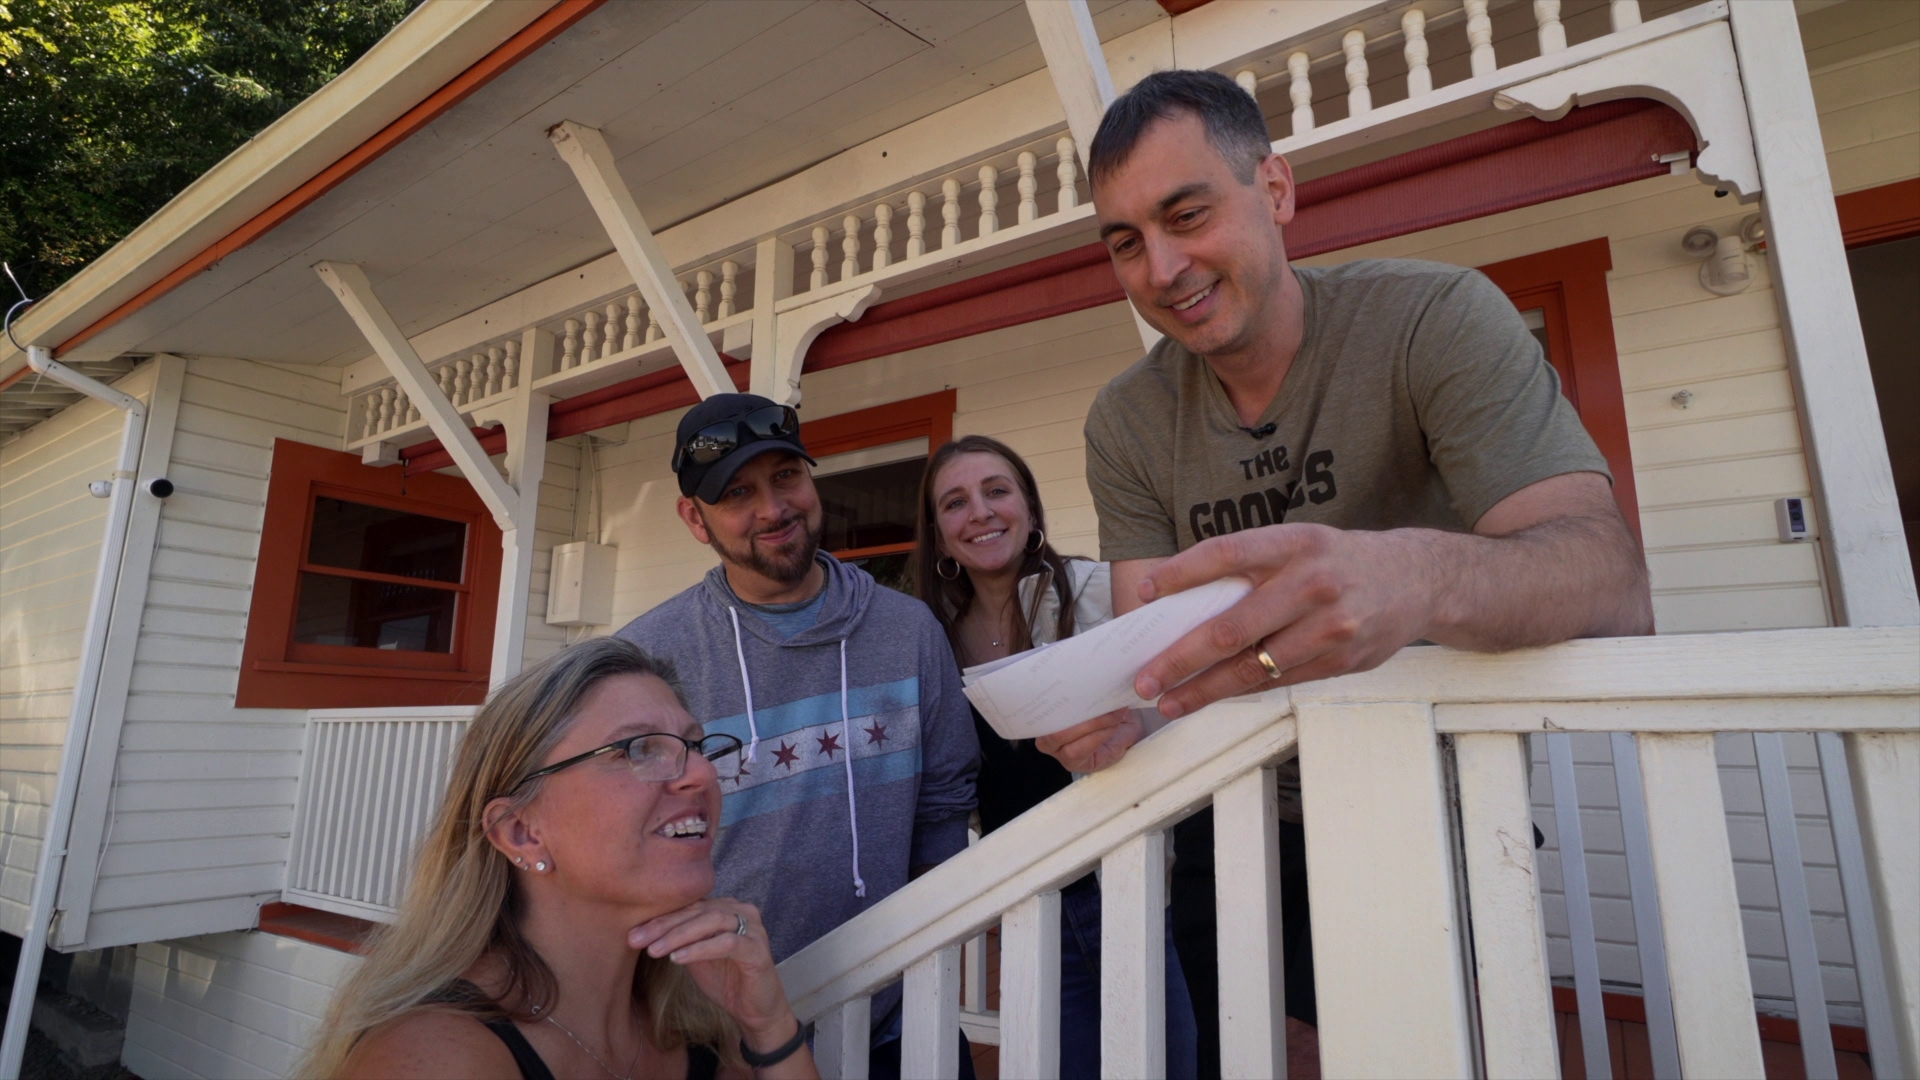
(715, 441)
(657, 757)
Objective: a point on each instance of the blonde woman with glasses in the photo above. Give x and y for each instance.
(558, 922)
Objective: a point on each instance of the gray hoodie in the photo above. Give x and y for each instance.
(861, 746)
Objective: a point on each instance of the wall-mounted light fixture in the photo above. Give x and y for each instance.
(1723, 266)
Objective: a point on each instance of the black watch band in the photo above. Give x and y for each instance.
(779, 1053)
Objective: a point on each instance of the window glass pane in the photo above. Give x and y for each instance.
(894, 571)
(1536, 320)
(361, 537)
(869, 507)
(374, 614)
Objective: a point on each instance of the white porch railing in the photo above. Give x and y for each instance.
(1427, 965)
(370, 784)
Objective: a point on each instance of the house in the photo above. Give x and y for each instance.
(381, 410)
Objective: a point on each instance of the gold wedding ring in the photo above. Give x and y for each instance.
(1273, 669)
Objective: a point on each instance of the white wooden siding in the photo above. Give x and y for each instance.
(555, 524)
(50, 534)
(202, 801)
(234, 1006)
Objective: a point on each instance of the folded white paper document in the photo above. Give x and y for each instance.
(1045, 690)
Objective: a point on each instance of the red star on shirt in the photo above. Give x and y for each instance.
(875, 734)
(741, 777)
(828, 744)
(786, 755)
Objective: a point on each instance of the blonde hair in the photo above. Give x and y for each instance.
(461, 904)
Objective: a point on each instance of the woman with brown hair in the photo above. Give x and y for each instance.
(983, 564)
(558, 921)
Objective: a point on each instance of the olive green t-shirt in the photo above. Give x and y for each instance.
(1418, 398)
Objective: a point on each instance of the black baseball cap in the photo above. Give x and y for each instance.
(739, 427)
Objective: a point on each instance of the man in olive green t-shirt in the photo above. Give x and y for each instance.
(1379, 446)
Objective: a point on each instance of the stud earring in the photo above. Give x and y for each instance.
(541, 867)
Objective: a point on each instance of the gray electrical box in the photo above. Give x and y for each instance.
(580, 588)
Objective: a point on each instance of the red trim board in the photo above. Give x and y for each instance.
(537, 33)
(1889, 212)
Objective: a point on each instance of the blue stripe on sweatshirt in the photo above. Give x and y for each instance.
(775, 720)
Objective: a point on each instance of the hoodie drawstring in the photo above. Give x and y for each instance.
(846, 729)
(746, 686)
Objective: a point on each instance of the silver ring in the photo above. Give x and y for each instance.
(741, 928)
(1273, 669)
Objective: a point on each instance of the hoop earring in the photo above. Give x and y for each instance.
(1035, 541)
(940, 567)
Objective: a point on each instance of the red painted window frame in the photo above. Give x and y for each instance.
(929, 416)
(277, 672)
(1887, 212)
(1570, 285)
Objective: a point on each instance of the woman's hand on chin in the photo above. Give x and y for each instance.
(734, 969)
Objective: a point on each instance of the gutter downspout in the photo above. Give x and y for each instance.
(86, 685)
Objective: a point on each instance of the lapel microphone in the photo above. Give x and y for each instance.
(1262, 431)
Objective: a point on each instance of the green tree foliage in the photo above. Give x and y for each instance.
(108, 109)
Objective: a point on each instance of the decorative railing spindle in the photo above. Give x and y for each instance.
(882, 235)
(569, 344)
(386, 408)
(729, 286)
(850, 247)
(1029, 206)
(703, 297)
(1068, 170)
(513, 363)
(1413, 25)
(916, 224)
(632, 340)
(495, 369)
(654, 332)
(1553, 36)
(405, 409)
(1249, 82)
(1301, 91)
(1625, 14)
(989, 201)
(1359, 96)
(950, 212)
(819, 278)
(610, 329)
(590, 337)
(1480, 37)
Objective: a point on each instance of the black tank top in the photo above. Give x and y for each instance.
(702, 1062)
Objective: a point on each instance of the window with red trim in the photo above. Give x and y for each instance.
(869, 479)
(1563, 295)
(372, 588)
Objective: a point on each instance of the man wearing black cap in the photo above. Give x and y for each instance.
(861, 751)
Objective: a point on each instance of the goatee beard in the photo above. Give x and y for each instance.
(787, 565)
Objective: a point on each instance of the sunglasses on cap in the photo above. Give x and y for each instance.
(715, 441)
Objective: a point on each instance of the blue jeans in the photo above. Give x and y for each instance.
(1080, 992)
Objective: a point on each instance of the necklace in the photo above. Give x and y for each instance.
(628, 1075)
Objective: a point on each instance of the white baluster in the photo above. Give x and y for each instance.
(1359, 97)
(570, 344)
(444, 376)
(989, 201)
(1030, 988)
(1249, 82)
(729, 286)
(386, 408)
(632, 340)
(819, 279)
(916, 224)
(610, 330)
(654, 332)
(406, 409)
(462, 380)
(495, 355)
(703, 297)
(1625, 14)
(849, 247)
(590, 337)
(1029, 206)
(1413, 25)
(950, 213)
(1068, 171)
(369, 414)
(882, 235)
(1480, 36)
(1133, 958)
(930, 1021)
(1301, 91)
(1553, 36)
(513, 364)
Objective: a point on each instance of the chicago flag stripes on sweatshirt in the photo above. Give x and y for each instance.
(864, 750)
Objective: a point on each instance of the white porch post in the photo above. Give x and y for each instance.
(586, 152)
(1081, 79)
(1864, 542)
(525, 421)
